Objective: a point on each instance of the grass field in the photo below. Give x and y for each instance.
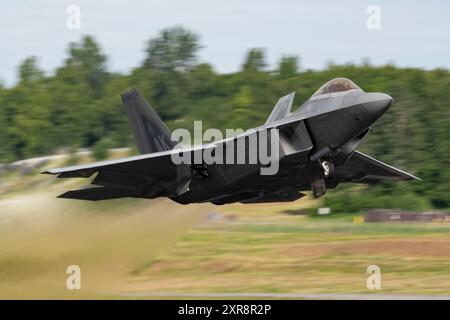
(264, 250)
(135, 246)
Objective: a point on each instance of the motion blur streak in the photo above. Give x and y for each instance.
(40, 237)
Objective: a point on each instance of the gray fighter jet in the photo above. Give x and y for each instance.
(317, 151)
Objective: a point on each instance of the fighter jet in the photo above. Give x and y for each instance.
(316, 151)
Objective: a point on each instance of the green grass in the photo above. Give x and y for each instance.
(305, 255)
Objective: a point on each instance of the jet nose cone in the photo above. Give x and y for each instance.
(379, 104)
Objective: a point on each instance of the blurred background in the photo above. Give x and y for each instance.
(63, 66)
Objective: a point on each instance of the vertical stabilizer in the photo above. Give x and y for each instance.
(150, 132)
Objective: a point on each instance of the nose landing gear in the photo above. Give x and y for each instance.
(319, 186)
(328, 168)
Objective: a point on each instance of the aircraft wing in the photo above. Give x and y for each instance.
(360, 168)
(144, 176)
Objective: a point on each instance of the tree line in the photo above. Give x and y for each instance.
(79, 106)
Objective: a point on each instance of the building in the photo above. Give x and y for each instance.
(393, 215)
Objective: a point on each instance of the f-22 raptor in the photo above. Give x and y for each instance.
(317, 151)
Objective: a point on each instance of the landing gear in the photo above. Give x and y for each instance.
(318, 187)
(328, 168)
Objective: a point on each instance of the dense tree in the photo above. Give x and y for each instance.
(79, 106)
(87, 56)
(169, 58)
(288, 66)
(255, 60)
(29, 71)
(175, 49)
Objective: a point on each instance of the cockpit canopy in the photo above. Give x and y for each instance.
(336, 85)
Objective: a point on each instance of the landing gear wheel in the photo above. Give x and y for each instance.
(328, 168)
(319, 187)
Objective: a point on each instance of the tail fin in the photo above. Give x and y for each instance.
(150, 132)
(282, 108)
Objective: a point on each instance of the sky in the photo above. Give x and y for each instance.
(411, 33)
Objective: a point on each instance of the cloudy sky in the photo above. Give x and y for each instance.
(413, 33)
